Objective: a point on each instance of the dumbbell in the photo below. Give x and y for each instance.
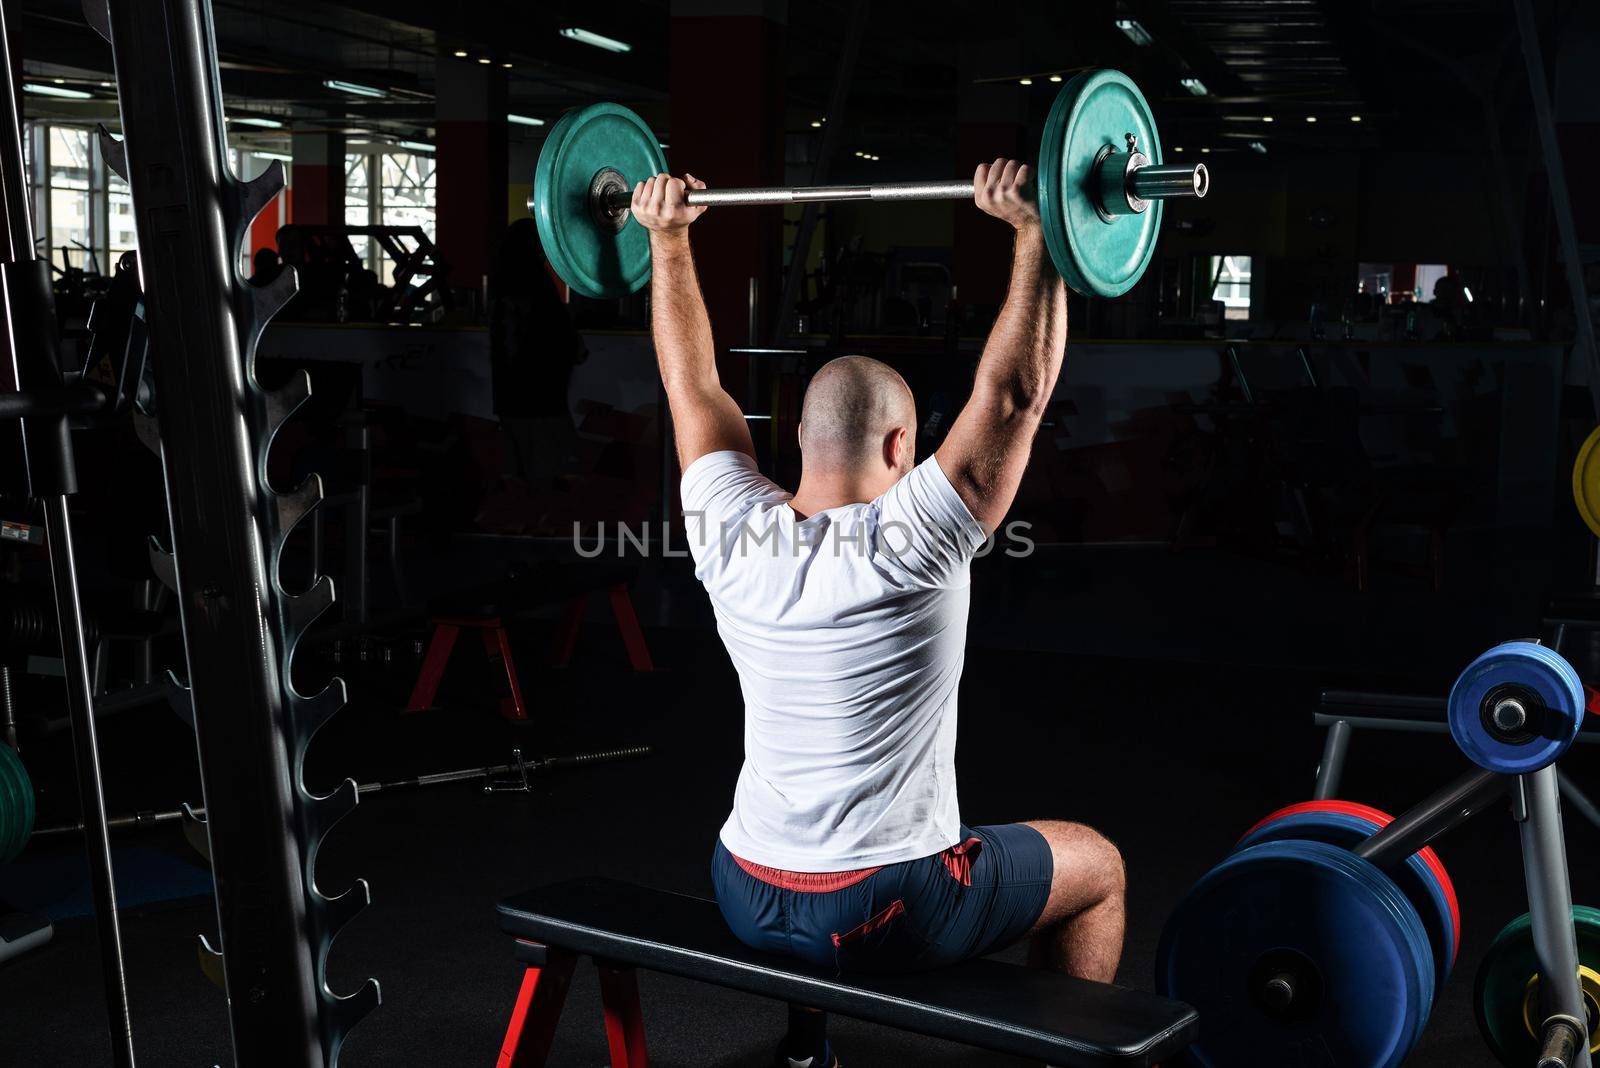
(1296, 943)
(1101, 188)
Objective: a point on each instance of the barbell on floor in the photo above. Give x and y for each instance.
(1100, 181)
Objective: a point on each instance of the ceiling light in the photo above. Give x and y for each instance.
(282, 157)
(1257, 146)
(1355, 118)
(485, 60)
(506, 66)
(415, 146)
(1177, 148)
(1266, 118)
(524, 120)
(51, 90)
(1055, 77)
(1134, 32)
(353, 88)
(588, 37)
(1194, 85)
(1467, 293)
(1205, 150)
(1025, 81)
(816, 125)
(1311, 118)
(460, 53)
(59, 81)
(107, 85)
(265, 124)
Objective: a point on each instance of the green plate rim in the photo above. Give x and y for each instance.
(19, 791)
(1052, 212)
(1517, 937)
(565, 264)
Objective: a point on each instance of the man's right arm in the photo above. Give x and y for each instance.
(987, 449)
(705, 418)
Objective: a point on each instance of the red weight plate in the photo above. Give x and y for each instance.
(1382, 819)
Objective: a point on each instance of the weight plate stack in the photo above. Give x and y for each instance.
(589, 150)
(1507, 992)
(1423, 879)
(1541, 690)
(1096, 110)
(1586, 481)
(16, 804)
(1293, 946)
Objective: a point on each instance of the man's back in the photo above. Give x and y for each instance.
(847, 629)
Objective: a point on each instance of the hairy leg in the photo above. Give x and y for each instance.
(1080, 931)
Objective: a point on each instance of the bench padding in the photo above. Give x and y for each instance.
(985, 1003)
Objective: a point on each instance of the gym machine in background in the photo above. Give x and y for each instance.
(1332, 926)
(1101, 188)
(240, 625)
(41, 400)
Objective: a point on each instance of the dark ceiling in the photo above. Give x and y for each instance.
(1415, 71)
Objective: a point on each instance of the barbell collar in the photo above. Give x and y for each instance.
(1163, 181)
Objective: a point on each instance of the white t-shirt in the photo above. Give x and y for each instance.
(848, 630)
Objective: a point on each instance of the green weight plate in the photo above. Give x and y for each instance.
(16, 804)
(10, 807)
(593, 258)
(1504, 991)
(1098, 258)
(22, 787)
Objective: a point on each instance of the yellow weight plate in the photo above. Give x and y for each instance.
(1586, 481)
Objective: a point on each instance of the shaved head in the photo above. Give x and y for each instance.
(853, 411)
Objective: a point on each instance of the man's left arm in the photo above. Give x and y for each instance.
(705, 418)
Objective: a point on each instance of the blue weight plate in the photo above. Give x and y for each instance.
(1416, 880)
(1318, 922)
(1517, 667)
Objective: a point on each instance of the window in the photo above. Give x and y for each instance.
(120, 235)
(78, 205)
(1375, 279)
(1429, 275)
(408, 198)
(72, 230)
(1231, 285)
(388, 189)
(358, 202)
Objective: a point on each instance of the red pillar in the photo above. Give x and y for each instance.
(318, 178)
(727, 128)
(992, 119)
(472, 158)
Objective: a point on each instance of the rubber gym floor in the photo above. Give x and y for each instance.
(1173, 758)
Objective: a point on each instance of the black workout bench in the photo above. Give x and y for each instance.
(985, 1003)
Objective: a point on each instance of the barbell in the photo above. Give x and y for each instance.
(1100, 180)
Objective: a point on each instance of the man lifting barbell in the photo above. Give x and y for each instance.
(844, 606)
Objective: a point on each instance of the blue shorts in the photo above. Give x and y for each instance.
(969, 900)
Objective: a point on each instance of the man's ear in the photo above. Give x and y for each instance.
(895, 446)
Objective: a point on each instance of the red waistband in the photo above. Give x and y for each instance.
(816, 882)
(958, 859)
